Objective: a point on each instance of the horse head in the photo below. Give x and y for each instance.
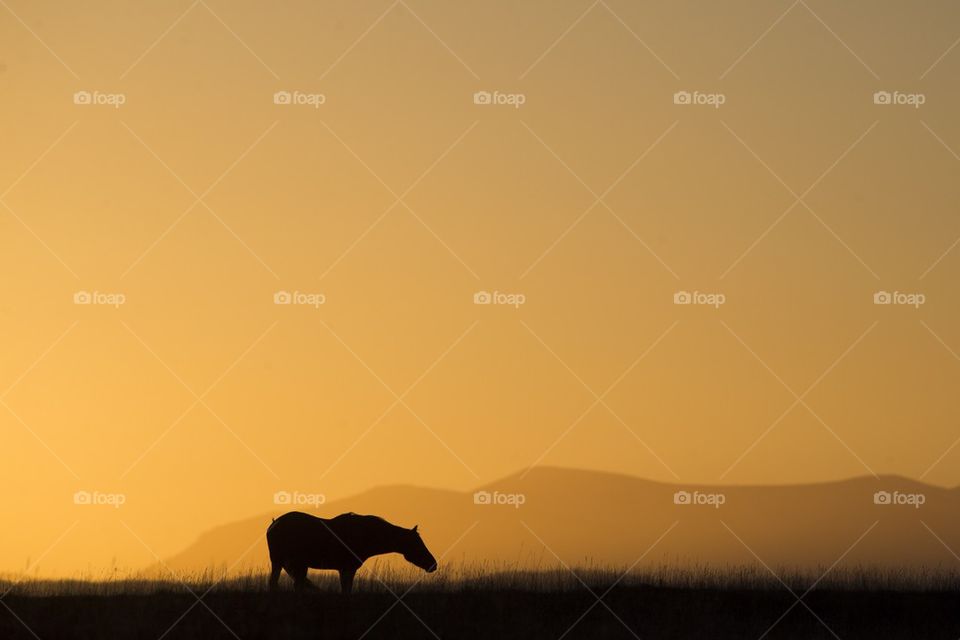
(415, 551)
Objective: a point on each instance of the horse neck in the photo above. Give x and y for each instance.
(387, 540)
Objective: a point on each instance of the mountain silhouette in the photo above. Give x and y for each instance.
(598, 518)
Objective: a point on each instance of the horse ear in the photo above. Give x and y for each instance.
(415, 528)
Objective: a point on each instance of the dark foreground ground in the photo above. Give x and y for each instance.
(637, 611)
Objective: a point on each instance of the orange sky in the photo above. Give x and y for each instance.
(398, 198)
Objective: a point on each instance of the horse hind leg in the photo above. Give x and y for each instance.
(300, 581)
(275, 569)
(346, 580)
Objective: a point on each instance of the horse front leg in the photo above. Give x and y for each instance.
(346, 580)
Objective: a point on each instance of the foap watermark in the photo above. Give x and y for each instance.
(99, 298)
(915, 500)
(699, 498)
(299, 297)
(899, 298)
(699, 297)
(100, 99)
(299, 98)
(898, 98)
(514, 500)
(499, 297)
(99, 499)
(497, 98)
(698, 98)
(299, 499)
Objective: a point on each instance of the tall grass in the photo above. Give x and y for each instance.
(381, 577)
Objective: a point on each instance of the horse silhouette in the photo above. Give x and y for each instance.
(298, 541)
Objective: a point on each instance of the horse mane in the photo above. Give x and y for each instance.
(350, 515)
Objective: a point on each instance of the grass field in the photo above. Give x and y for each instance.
(483, 602)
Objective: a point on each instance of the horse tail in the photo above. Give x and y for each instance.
(270, 531)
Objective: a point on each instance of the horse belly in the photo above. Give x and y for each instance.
(322, 561)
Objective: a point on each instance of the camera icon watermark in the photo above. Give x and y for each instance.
(99, 499)
(498, 297)
(314, 300)
(299, 499)
(99, 298)
(299, 98)
(885, 498)
(698, 98)
(685, 498)
(515, 500)
(496, 98)
(914, 300)
(715, 300)
(99, 98)
(898, 98)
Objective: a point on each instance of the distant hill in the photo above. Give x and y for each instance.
(588, 517)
